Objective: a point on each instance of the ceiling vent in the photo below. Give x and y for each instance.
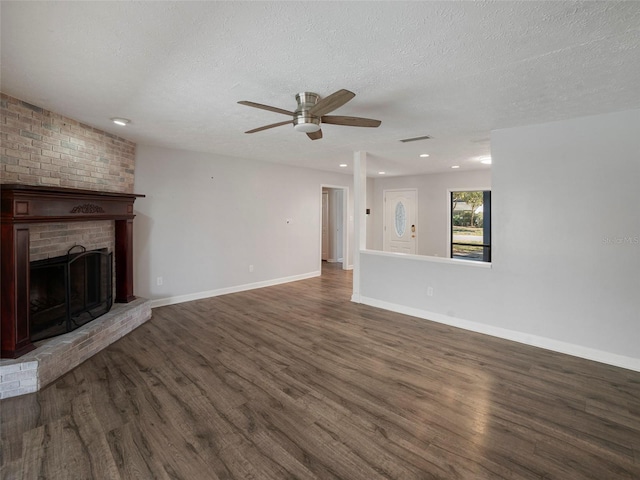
(415, 139)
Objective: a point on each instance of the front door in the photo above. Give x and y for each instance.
(400, 221)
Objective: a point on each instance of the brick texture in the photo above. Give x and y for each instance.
(40, 147)
(52, 240)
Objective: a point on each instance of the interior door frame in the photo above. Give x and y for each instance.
(384, 212)
(325, 235)
(346, 248)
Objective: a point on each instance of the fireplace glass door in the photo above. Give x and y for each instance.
(69, 291)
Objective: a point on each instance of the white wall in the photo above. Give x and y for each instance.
(566, 246)
(433, 206)
(205, 219)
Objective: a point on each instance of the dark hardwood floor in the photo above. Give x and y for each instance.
(297, 382)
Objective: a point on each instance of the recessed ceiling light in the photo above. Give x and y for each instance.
(486, 160)
(455, 166)
(120, 121)
(424, 155)
(382, 173)
(343, 165)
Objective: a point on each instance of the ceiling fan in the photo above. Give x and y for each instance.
(312, 111)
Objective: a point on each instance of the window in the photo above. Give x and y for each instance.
(470, 235)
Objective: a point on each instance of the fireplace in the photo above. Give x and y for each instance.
(24, 205)
(69, 291)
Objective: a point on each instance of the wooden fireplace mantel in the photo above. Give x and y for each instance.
(23, 205)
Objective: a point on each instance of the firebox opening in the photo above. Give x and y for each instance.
(69, 291)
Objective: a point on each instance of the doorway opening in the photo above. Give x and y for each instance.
(334, 246)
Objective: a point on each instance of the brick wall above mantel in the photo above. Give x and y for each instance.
(40, 147)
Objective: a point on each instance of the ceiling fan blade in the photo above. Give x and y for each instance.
(265, 107)
(273, 125)
(330, 103)
(350, 121)
(315, 135)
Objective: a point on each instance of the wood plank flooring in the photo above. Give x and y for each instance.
(297, 382)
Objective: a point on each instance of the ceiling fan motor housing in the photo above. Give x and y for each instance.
(303, 121)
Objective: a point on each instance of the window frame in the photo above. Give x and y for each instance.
(487, 250)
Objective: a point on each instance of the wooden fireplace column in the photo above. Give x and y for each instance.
(23, 205)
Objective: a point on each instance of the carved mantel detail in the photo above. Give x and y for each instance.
(87, 208)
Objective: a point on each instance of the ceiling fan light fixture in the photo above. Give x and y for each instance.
(306, 123)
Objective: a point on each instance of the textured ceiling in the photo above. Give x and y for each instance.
(450, 70)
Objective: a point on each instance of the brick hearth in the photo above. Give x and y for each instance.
(54, 357)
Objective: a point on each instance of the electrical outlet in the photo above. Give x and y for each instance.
(250, 268)
(429, 291)
(159, 281)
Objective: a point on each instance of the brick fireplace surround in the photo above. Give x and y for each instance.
(44, 154)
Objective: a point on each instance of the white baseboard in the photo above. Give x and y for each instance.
(161, 302)
(608, 358)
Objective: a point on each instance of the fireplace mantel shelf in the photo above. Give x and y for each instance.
(41, 204)
(23, 205)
